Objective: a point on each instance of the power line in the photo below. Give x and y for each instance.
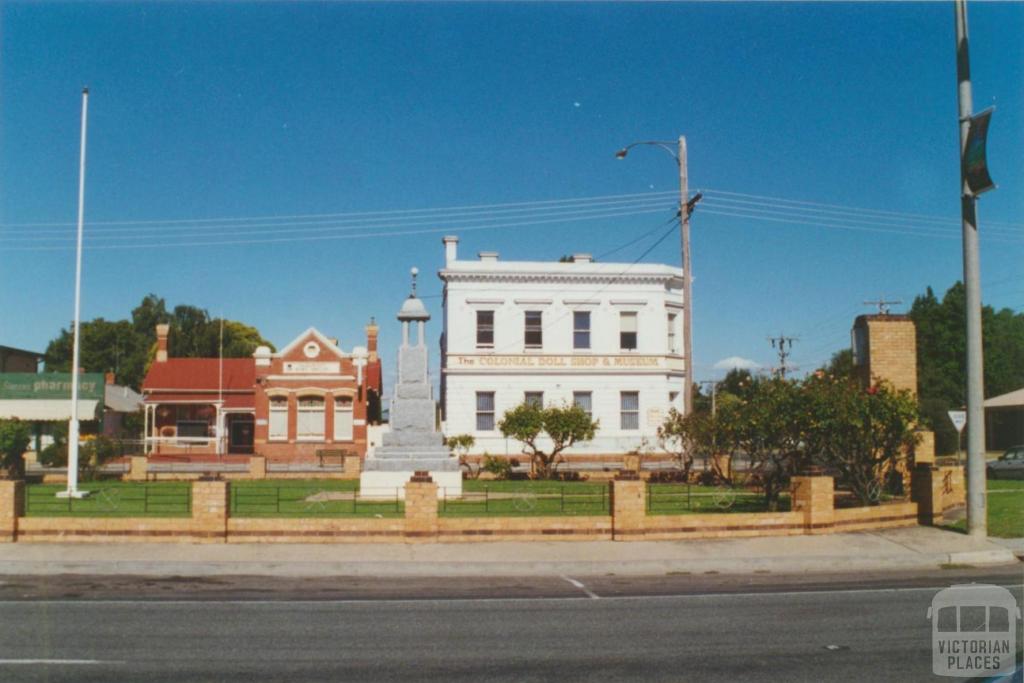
(469, 207)
(856, 228)
(862, 210)
(264, 230)
(848, 217)
(320, 238)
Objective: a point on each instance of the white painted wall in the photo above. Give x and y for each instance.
(557, 289)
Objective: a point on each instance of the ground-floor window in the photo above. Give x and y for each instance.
(485, 411)
(278, 422)
(309, 423)
(534, 398)
(343, 418)
(584, 400)
(629, 410)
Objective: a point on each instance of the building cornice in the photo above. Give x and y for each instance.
(561, 278)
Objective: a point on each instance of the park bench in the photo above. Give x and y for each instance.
(323, 454)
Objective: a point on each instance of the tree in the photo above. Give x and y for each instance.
(460, 445)
(127, 347)
(148, 314)
(737, 382)
(15, 437)
(684, 436)
(546, 432)
(941, 357)
(859, 433)
(841, 365)
(769, 428)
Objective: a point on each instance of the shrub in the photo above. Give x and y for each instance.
(501, 468)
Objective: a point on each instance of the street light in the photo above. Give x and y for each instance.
(685, 209)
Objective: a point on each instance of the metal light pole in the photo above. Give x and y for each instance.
(685, 209)
(72, 490)
(977, 523)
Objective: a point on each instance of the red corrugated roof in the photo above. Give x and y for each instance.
(199, 374)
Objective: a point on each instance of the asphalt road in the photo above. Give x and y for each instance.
(674, 628)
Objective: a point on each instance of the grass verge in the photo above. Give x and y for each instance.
(1005, 510)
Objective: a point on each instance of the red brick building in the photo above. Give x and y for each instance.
(310, 396)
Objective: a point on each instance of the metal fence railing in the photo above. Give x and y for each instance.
(551, 500)
(166, 499)
(683, 497)
(292, 500)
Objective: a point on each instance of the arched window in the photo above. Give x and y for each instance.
(309, 423)
(278, 423)
(343, 418)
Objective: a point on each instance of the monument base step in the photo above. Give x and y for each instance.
(385, 484)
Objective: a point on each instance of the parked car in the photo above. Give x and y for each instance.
(1010, 465)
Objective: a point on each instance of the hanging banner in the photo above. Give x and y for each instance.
(975, 161)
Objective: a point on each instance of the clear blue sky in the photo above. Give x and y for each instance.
(201, 111)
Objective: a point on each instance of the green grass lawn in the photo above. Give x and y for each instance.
(111, 499)
(526, 498)
(680, 499)
(1005, 510)
(308, 498)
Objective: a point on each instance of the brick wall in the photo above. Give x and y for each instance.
(210, 522)
(891, 350)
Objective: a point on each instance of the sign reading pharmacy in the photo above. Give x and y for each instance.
(590, 363)
(26, 385)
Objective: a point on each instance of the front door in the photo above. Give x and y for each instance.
(241, 429)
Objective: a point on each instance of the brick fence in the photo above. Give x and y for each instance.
(813, 512)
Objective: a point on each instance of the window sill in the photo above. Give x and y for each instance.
(311, 439)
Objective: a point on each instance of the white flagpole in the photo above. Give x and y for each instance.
(72, 490)
(220, 391)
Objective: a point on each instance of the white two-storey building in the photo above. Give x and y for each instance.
(605, 336)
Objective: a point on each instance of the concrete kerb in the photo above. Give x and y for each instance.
(899, 549)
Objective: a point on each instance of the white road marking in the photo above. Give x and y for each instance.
(72, 662)
(591, 594)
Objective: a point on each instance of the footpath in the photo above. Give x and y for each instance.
(911, 548)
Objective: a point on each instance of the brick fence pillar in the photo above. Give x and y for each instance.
(629, 506)
(352, 465)
(924, 450)
(926, 490)
(210, 509)
(814, 495)
(421, 508)
(257, 467)
(138, 468)
(12, 506)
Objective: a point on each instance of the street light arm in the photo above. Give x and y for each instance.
(667, 146)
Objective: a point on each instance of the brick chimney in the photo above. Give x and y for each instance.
(371, 339)
(161, 342)
(109, 378)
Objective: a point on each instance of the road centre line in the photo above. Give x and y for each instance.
(591, 594)
(413, 601)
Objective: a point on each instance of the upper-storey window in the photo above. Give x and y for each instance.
(485, 329)
(627, 330)
(673, 346)
(581, 329)
(533, 333)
